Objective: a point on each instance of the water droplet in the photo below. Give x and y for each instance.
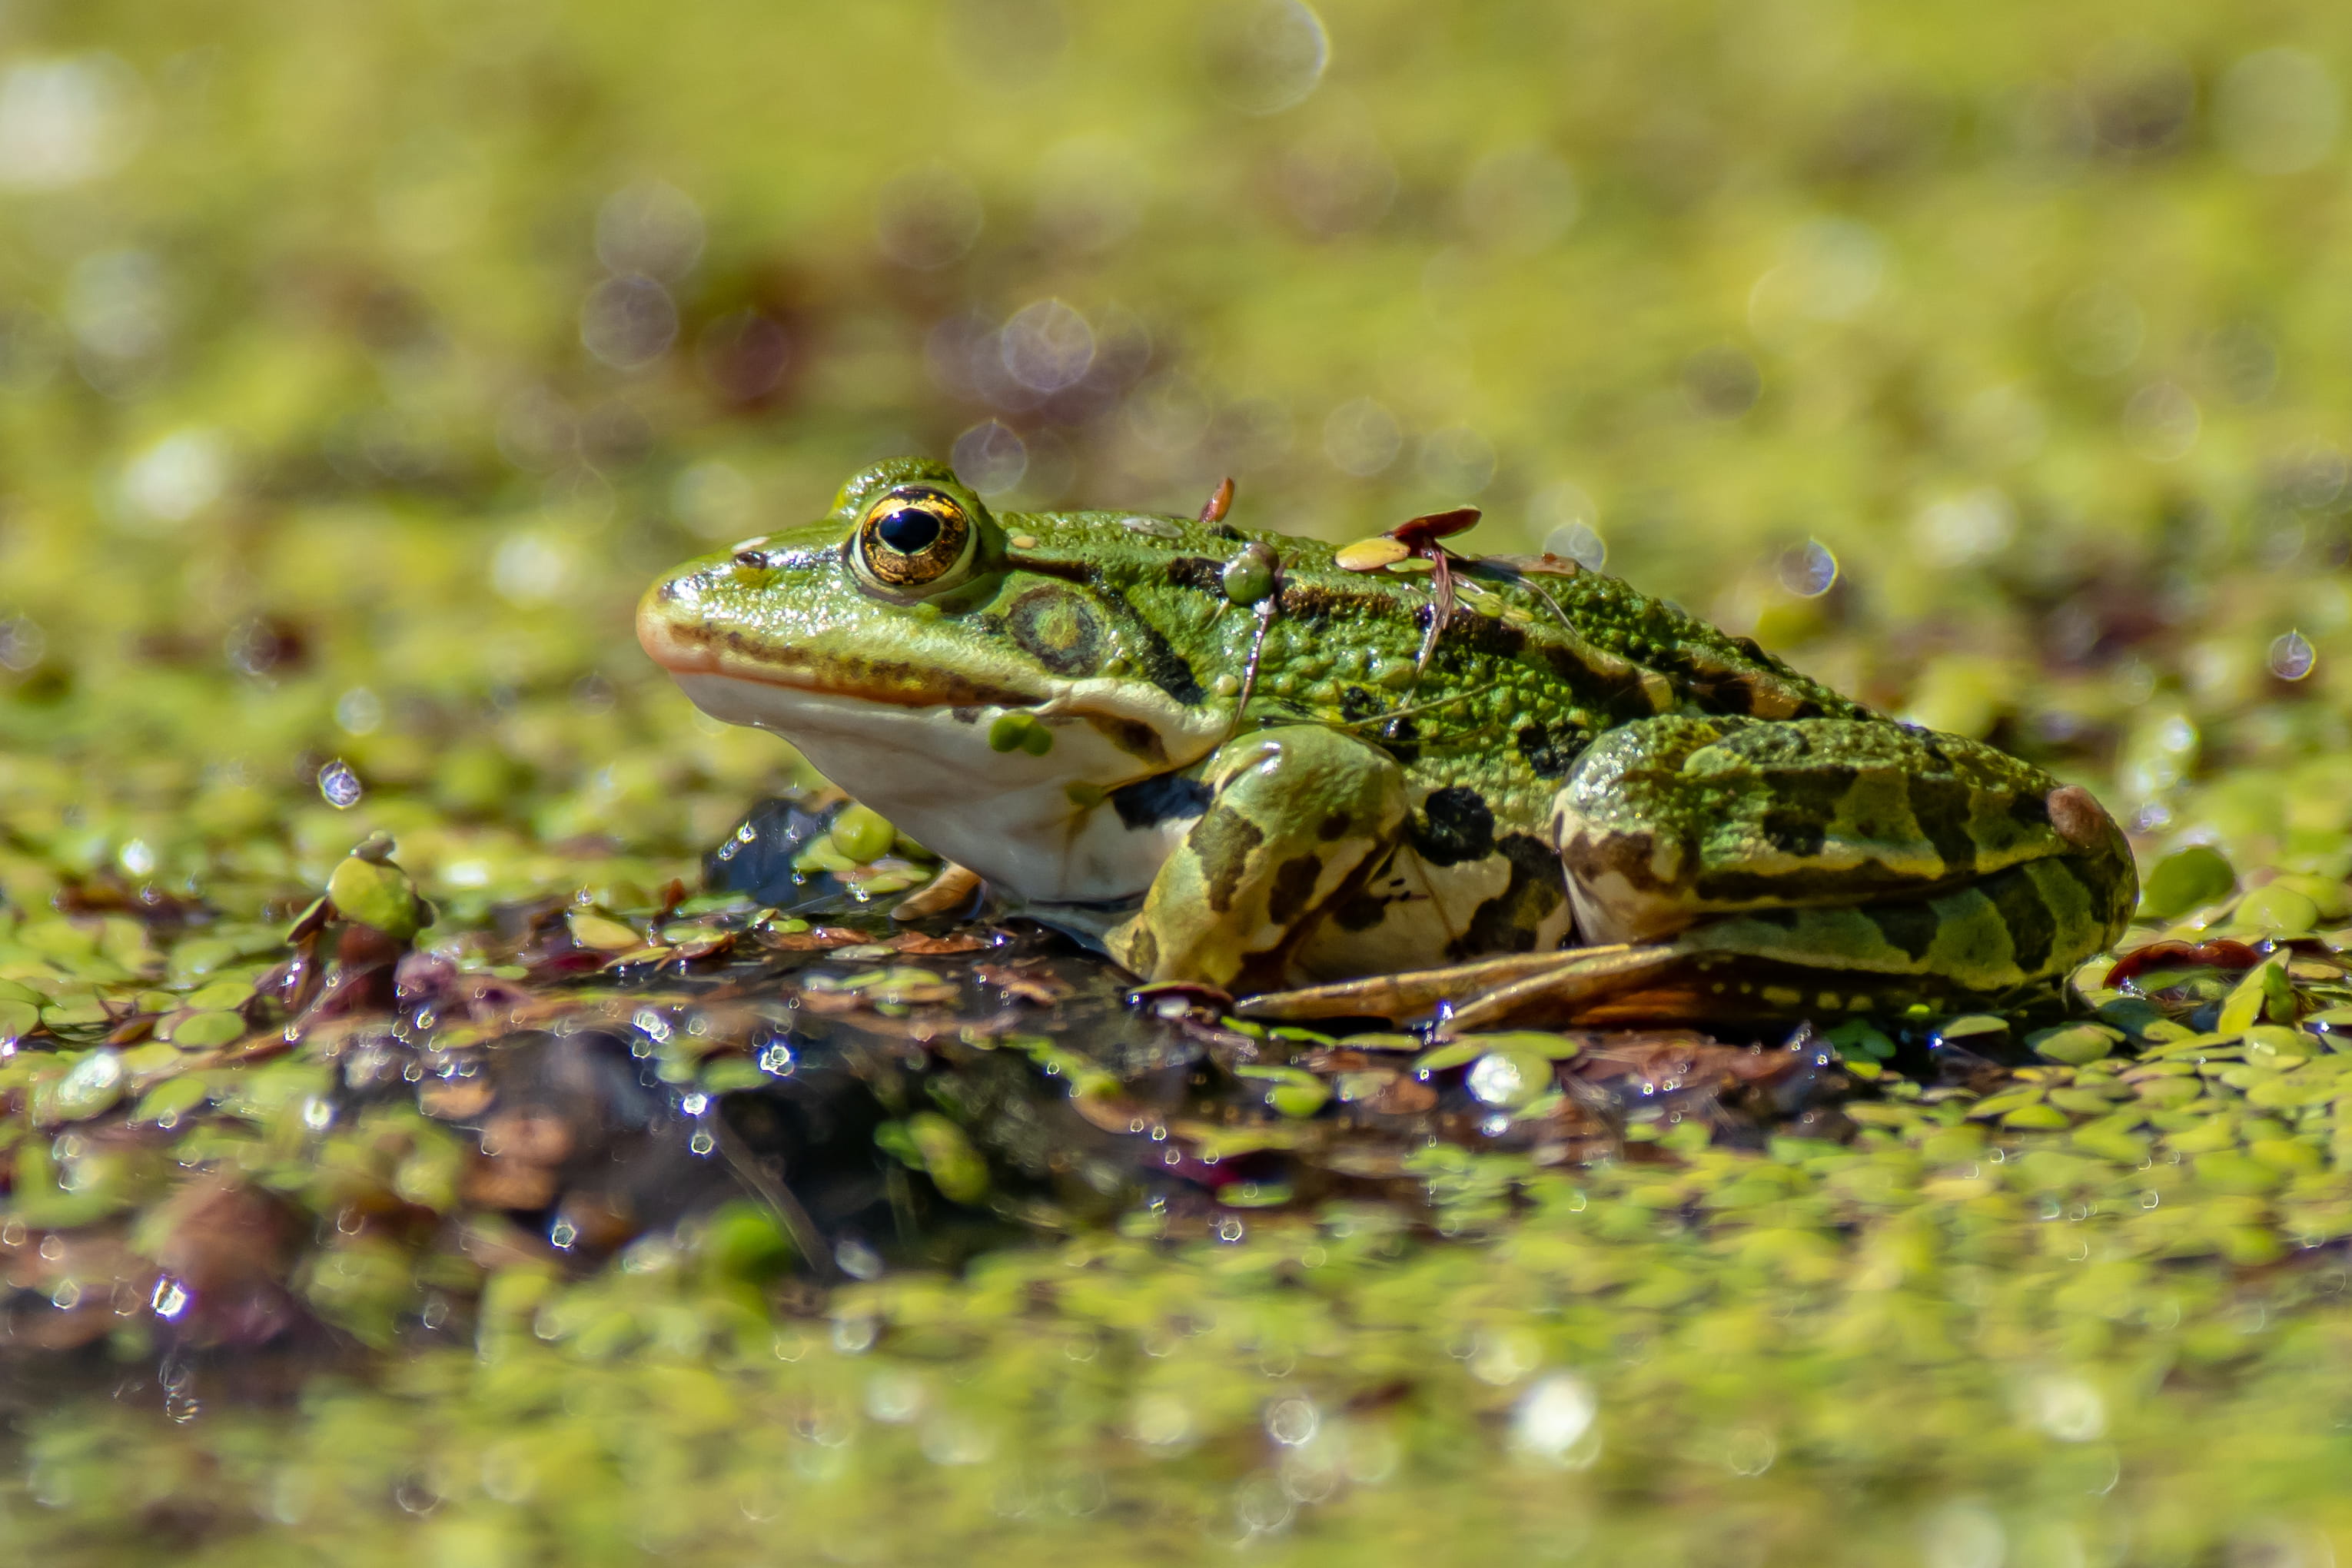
(339, 786)
(1809, 571)
(170, 1298)
(2291, 656)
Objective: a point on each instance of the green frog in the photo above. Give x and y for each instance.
(1242, 760)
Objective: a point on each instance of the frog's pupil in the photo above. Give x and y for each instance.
(909, 531)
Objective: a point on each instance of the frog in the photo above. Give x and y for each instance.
(1250, 761)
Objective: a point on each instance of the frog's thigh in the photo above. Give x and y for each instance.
(1670, 820)
(1299, 815)
(2020, 925)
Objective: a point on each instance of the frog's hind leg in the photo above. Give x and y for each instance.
(1300, 816)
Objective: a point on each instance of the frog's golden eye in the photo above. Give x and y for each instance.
(913, 537)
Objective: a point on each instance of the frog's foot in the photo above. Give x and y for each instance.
(1549, 987)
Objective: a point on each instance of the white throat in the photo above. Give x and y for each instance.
(1008, 816)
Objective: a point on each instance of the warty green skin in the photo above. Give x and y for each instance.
(1211, 748)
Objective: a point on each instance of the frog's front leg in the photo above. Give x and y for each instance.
(1300, 816)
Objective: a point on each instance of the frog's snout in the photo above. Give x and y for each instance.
(668, 628)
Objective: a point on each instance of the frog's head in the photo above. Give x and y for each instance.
(982, 681)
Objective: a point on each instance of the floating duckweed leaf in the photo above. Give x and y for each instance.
(2035, 1118)
(2073, 1044)
(17, 1019)
(947, 1157)
(1293, 1091)
(1255, 1194)
(1972, 1028)
(378, 894)
(1213, 1142)
(1390, 1042)
(1371, 554)
(206, 1031)
(2010, 1099)
(2226, 1171)
(1452, 1054)
(1509, 1079)
(1553, 1048)
(1856, 1038)
(2187, 880)
(172, 1098)
(863, 833)
(15, 991)
(603, 934)
(2265, 991)
(90, 1087)
(218, 996)
(2275, 1040)
(2275, 908)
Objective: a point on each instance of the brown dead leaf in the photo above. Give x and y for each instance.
(1043, 989)
(507, 1184)
(456, 1100)
(813, 940)
(535, 1137)
(920, 945)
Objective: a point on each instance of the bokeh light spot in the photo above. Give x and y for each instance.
(1361, 439)
(628, 322)
(66, 121)
(651, 228)
(1047, 346)
(991, 457)
(928, 219)
(1263, 56)
(2278, 112)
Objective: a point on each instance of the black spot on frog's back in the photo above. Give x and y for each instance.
(1551, 749)
(1454, 825)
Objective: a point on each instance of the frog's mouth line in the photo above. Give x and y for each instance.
(692, 650)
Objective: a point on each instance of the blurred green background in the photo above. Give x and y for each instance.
(358, 365)
(360, 362)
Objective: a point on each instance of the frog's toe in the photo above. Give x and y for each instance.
(1524, 979)
(1579, 978)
